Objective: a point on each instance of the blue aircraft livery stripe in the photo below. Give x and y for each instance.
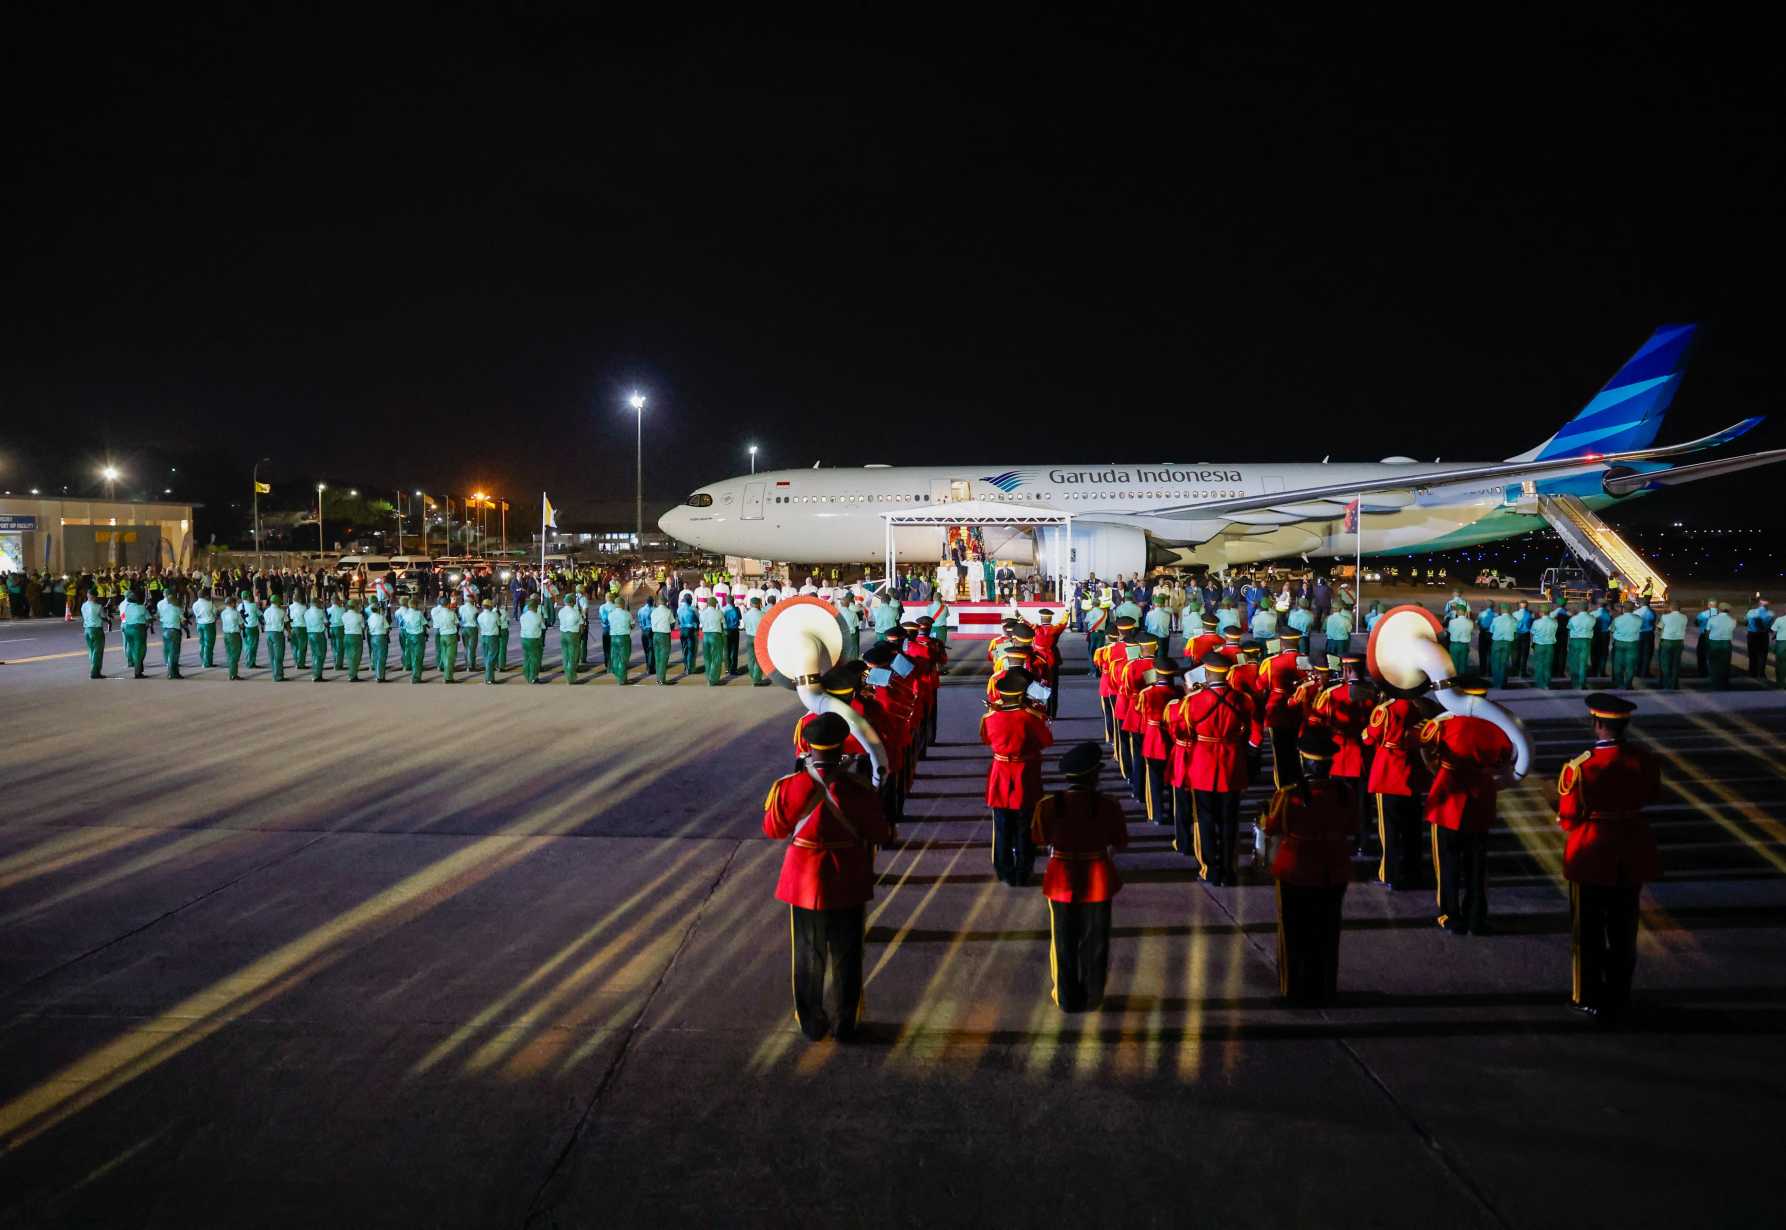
(1627, 413)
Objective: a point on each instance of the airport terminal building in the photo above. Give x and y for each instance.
(76, 535)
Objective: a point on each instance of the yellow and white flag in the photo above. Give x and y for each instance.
(549, 517)
(263, 488)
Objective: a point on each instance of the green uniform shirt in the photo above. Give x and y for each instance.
(1581, 626)
(1672, 626)
(1626, 627)
(1504, 628)
(1544, 631)
(1720, 627)
(92, 614)
(1461, 629)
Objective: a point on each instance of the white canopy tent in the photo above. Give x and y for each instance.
(987, 512)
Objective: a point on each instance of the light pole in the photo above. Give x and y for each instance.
(423, 515)
(319, 548)
(260, 558)
(753, 459)
(637, 402)
(110, 474)
(479, 501)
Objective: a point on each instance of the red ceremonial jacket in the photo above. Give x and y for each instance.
(1279, 674)
(892, 737)
(1133, 679)
(1248, 678)
(1471, 751)
(1318, 832)
(1601, 795)
(1048, 641)
(1222, 721)
(1202, 646)
(826, 866)
(1156, 744)
(1082, 826)
(1342, 711)
(1101, 660)
(1394, 730)
(1016, 737)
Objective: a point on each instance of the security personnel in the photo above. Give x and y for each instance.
(1313, 820)
(298, 632)
(570, 636)
(1459, 631)
(337, 630)
(251, 624)
(713, 642)
(1159, 690)
(1611, 854)
(533, 639)
(378, 632)
(1016, 733)
(171, 614)
(274, 618)
(1503, 637)
(1081, 827)
(834, 821)
(204, 619)
(486, 627)
(663, 624)
(1467, 756)
(1626, 629)
(1396, 773)
(1671, 638)
(316, 636)
(620, 643)
(1581, 647)
(1343, 711)
(230, 620)
(353, 637)
(93, 627)
(1222, 722)
(1543, 650)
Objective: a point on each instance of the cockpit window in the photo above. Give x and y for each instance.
(700, 499)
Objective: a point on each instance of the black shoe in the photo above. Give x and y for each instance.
(1585, 1010)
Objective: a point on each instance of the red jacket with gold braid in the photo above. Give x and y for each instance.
(1222, 720)
(826, 866)
(1601, 795)
(1048, 643)
(1279, 675)
(1156, 744)
(1342, 711)
(1184, 744)
(892, 737)
(1202, 646)
(1016, 737)
(1102, 660)
(1471, 752)
(1082, 826)
(1134, 679)
(1318, 828)
(1394, 730)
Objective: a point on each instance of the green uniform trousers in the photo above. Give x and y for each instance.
(567, 648)
(276, 655)
(502, 650)
(660, 655)
(489, 661)
(446, 655)
(353, 644)
(852, 647)
(1581, 652)
(300, 648)
(1543, 657)
(251, 644)
(232, 650)
(468, 635)
(338, 642)
(1717, 665)
(381, 653)
(756, 668)
(1668, 661)
(533, 650)
(207, 645)
(95, 651)
(170, 651)
(620, 656)
(1500, 657)
(1460, 657)
(713, 649)
(1624, 663)
(414, 655)
(319, 655)
(1780, 663)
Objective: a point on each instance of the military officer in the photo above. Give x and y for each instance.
(204, 621)
(378, 633)
(1581, 646)
(93, 627)
(1611, 854)
(1313, 822)
(1396, 772)
(1222, 721)
(487, 625)
(316, 634)
(1467, 756)
(1081, 827)
(570, 636)
(833, 821)
(1016, 734)
(171, 614)
(353, 637)
(533, 639)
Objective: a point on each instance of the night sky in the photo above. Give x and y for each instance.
(439, 255)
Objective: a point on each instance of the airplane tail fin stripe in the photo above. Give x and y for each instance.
(1627, 413)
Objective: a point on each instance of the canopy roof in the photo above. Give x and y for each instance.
(984, 512)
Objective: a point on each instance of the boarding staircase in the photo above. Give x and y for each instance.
(1597, 543)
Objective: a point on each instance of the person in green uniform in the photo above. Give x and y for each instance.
(93, 626)
(204, 621)
(446, 640)
(533, 639)
(502, 635)
(251, 621)
(752, 619)
(847, 610)
(1544, 650)
(1581, 646)
(1503, 633)
(1779, 635)
(663, 626)
(274, 619)
(620, 641)
(1671, 641)
(337, 630)
(412, 625)
(1718, 631)
(378, 634)
(486, 633)
(295, 618)
(353, 637)
(570, 636)
(713, 641)
(230, 620)
(1627, 627)
(316, 632)
(170, 613)
(1460, 630)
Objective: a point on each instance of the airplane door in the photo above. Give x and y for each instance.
(753, 502)
(939, 491)
(950, 490)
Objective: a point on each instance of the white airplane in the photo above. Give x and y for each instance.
(1128, 517)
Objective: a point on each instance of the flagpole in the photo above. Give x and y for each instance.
(1358, 568)
(542, 539)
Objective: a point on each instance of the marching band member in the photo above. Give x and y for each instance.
(1016, 732)
(1315, 822)
(1081, 826)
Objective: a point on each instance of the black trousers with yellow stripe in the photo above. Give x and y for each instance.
(1013, 849)
(1460, 865)
(1184, 823)
(1308, 939)
(1401, 829)
(1603, 943)
(1158, 798)
(1218, 835)
(1078, 953)
(827, 939)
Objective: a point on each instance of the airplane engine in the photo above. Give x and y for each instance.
(1404, 651)
(799, 640)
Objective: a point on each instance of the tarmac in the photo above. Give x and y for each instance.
(379, 955)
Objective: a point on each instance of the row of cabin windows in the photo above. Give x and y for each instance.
(1018, 496)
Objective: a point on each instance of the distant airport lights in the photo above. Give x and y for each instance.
(752, 450)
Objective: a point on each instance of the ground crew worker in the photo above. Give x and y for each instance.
(1396, 772)
(316, 633)
(251, 623)
(570, 636)
(1503, 633)
(1718, 631)
(620, 642)
(378, 630)
(1581, 647)
(171, 614)
(487, 625)
(1222, 722)
(1016, 733)
(1314, 822)
(834, 821)
(1611, 854)
(204, 620)
(1081, 827)
(663, 624)
(230, 620)
(468, 632)
(353, 637)
(1159, 690)
(1459, 631)
(1544, 651)
(337, 631)
(298, 632)
(713, 641)
(93, 628)
(275, 620)
(1467, 756)
(533, 639)
(1626, 629)
(1671, 638)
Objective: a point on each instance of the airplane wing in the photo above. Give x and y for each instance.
(1625, 484)
(1422, 480)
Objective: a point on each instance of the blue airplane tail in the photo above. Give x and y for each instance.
(1627, 413)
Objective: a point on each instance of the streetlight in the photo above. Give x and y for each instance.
(260, 560)
(423, 517)
(637, 402)
(753, 459)
(110, 474)
(319, 548)
(478, 501)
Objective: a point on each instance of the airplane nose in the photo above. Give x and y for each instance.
(671, 523)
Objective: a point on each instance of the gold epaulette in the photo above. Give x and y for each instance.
(1571, 773)
(1429, 730)
(1380, 714)
(1321, 700)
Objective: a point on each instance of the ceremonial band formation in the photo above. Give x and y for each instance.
(1187, 754)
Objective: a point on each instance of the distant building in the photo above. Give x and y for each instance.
(40, 533)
